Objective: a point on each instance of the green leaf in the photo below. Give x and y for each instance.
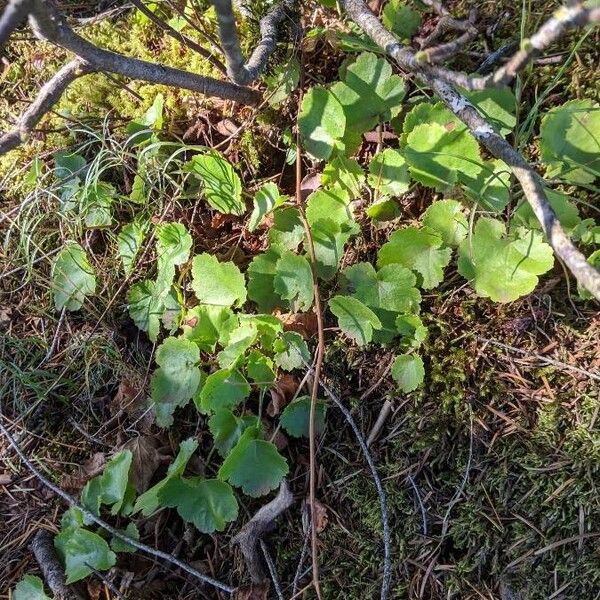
(401, 19)
(570, 141)
(222, 185)
(330, 205)
(267, 199)
(129, 243)
(345, 175)
(408, 372)
(227, 429)
(111, 486)
(204, 324)
(388, 173)
(73, 278)
(225, 388)
(392, 288)
(80, 548)
(148, 501)
(497, 105)
(30, 588)
(446, 217)
(329, 241)
(215, 282)
(268, 326)
(291, 351)
(503, 267)
(418, 249)
(384, 210)
(370, 93)
(295, 417)
(238, 342)
(565, 210)
(321, 122)
(118, 545)
(146, 304)
(283, 82)
(96, 203)
(294, 281)
(436, 155)
(254, 465)
(177, 379)
(261, 280)
(427, 112)
(260, 369)
(412, 330)
(207, 503)
(491, 186)
(355, 319)
(287, 231)
(138, 130)
(173, 245)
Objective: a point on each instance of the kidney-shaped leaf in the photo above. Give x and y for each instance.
(216, 282)
(254, 465)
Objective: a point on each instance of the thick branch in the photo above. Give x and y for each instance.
(14, 14)
(42, 547)
(241, 72)
(565, 18)
(530, 181)
(48, 96)
(183, 39)
(49, 25)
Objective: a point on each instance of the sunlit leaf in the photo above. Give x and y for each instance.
(219, 283)
(408, 372)
(73, 278)
(355, 319)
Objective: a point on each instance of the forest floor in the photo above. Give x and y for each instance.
(491, 469)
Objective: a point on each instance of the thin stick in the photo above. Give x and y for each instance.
(312, 432)
(115, 532)
(180, 37)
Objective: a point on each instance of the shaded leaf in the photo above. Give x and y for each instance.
(354, 318)
(73, 278)
(295, 417)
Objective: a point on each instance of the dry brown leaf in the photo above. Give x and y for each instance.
(145, 460)
(305, 324)
(130, 397)
(5, 478)
(309, 184)
(254, 591)
(94, 589)
(321, 516)
(227, 128)
(90, 468)
(282, 393)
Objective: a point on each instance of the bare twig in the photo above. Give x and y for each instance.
(180, 37)
(115, 532)
(565, 18)
(240, 71)
(272, 570)
(530, 181)
(387, 543)
(543, 359)
(384, 413)
(47, 97)
(261, 523)
(49, 25)
(42, 547)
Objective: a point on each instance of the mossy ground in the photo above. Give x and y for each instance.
(491, 470)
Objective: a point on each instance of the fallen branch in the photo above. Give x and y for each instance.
(260, 524)
(530, 181)
(47, 97)
(50, 26)
(109, 528)
(245, 72)
(42, 547)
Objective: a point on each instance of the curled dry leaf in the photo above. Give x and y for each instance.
(282, 393)
(254, 591)
(309, 184)
(145, 460)
(90, 468)
(321, 516)
(227, 128)
(303, 323)
(130, 397)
